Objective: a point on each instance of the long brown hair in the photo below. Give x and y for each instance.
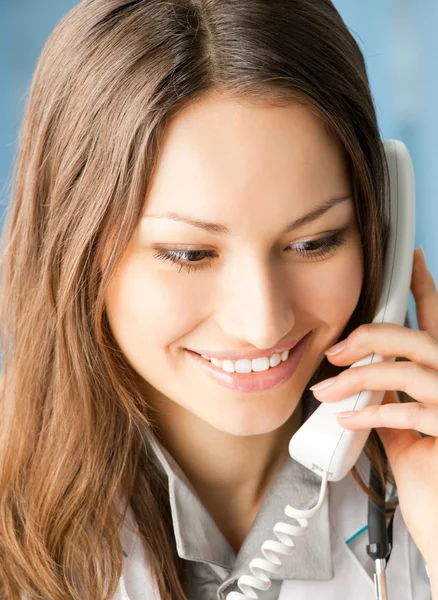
(109, 78)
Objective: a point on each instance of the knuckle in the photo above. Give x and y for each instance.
(418, 411)
(431, 337)
(356, 376)
(418, 350)
(385, 412)
(410, 371)
(426, 335)
(374, 409)
(362, 333)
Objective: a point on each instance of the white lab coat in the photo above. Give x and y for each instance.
(406, 574)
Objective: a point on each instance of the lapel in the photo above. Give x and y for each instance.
(136, 582)
(348, 514)
(347, 509)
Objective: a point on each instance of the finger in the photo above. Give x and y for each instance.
(419, 382)
(395, 441)
(425, 294)
(389, 340)
(403, 415)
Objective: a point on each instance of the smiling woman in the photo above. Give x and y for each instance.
(199, 211)
(265, 285)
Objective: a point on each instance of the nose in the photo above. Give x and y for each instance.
(259, 310)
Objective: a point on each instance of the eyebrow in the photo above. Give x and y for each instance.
(314, 214)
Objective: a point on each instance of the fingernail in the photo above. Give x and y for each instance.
(348, 414)
(323, 384)
(336, 348)
(421, 262)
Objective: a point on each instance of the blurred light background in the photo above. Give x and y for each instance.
(400, 44)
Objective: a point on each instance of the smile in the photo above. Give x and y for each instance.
(265, 373)
(245, 365)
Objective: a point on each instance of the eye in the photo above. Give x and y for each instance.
(185, 258)
(321, 247)
(189, 259)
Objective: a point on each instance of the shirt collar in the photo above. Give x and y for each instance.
(199, 539)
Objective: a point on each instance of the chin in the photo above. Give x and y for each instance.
(250, 422)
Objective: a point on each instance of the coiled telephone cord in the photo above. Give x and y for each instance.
(259, 567)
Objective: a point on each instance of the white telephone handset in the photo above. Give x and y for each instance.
(321, 444)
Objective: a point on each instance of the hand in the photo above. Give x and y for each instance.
(413, 458)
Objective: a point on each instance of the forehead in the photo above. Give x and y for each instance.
(228, 150)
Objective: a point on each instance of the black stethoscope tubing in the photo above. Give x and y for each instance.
(379, 533)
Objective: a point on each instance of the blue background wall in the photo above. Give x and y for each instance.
(398, 39)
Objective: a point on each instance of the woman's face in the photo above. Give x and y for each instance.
(249, 280)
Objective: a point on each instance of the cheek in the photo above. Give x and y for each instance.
(333, 295)
(149, 311)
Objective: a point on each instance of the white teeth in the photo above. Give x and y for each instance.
(228, 366)
(275, 360)
(245, 365)
(260, 364)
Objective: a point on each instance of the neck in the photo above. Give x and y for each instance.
(229, 473)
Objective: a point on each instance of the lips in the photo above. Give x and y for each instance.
(248, 354)
(254, 382)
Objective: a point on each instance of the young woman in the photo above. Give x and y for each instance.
(200, 190)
